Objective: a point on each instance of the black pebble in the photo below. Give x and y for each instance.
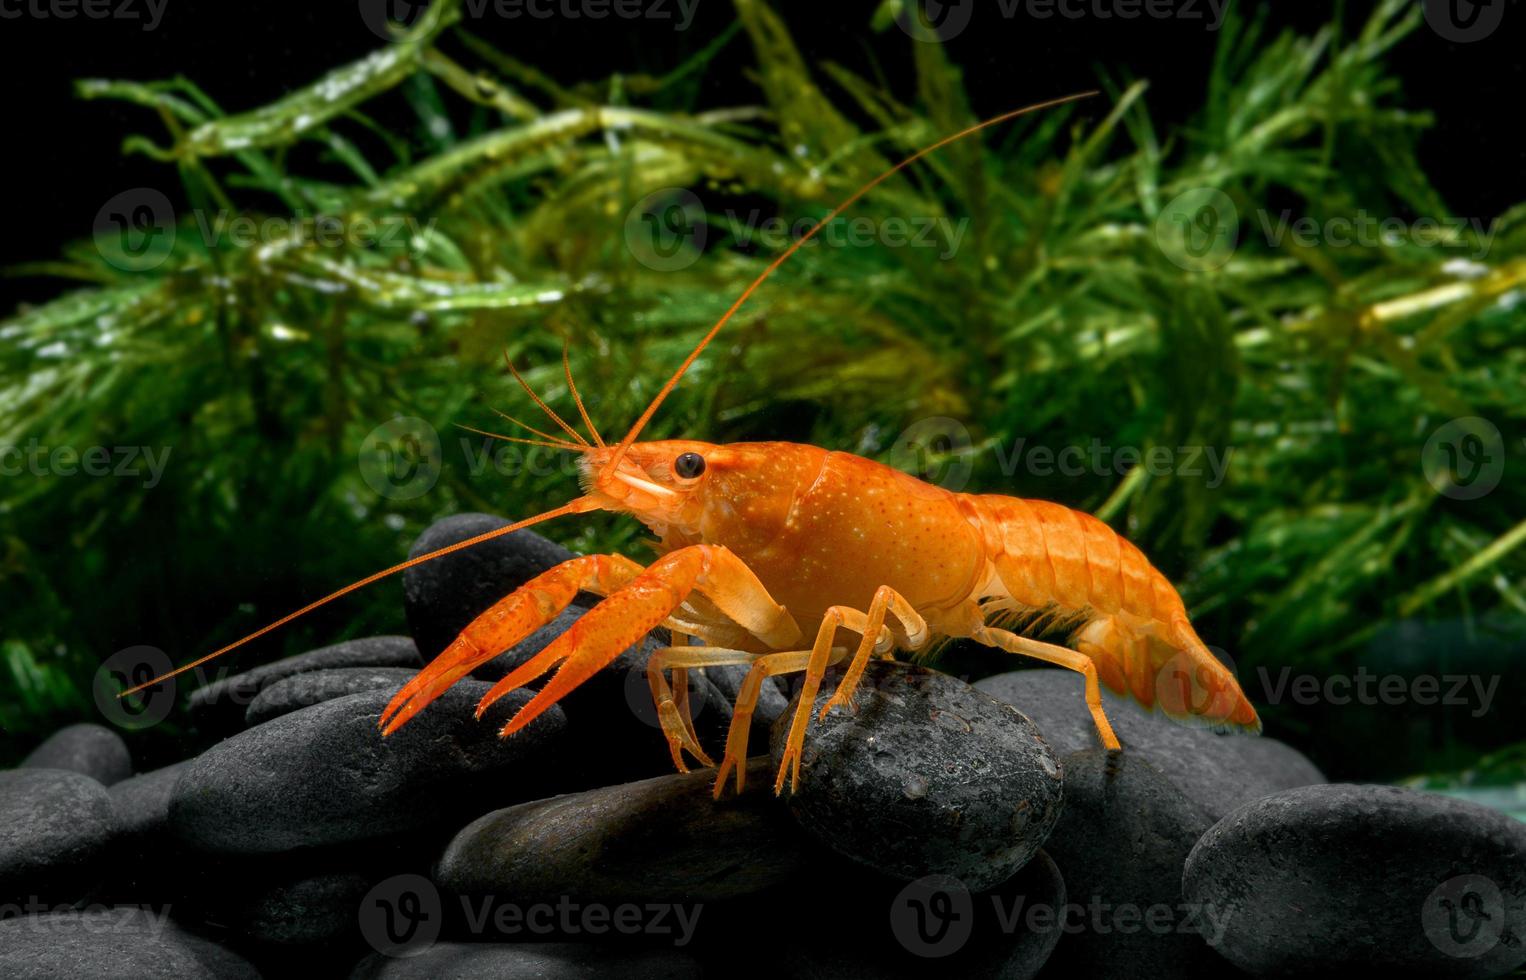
(91, 750)
(930, 776)
(324, 774)
(1347, 879)
(55, 827)
(113, 942)
(441, 596)
(658, 840)
(1121, 844)
(315, 687)
(220, 706)
(1218, 772)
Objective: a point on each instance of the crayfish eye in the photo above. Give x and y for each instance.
(689, 465)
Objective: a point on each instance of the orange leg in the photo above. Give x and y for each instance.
(886, 600)
(763, 665)
(672, 711)
(504, 624)
(1062, 657)
(644, 603)
(821, 654)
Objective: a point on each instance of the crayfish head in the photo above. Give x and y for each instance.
(664, 484)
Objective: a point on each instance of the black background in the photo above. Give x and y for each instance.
(62, 159)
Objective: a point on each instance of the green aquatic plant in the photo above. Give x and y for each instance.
(334, 274)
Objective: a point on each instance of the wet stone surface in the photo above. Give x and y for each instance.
(220, 707)
(1346, 879)
(929, 776)
(315, 687)
(1218, 772)
(325, 774)
(55, 827)
(442, 596)
(113, 942)
(1121, 845)
(91, 750)
(661, 839)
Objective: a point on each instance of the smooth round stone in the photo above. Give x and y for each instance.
(147, 863)
(91, 750)
(325, 774)
(222, 704)
(541, 961)
(54, 827)
(1121, 844)
(142, 803)
(304, 912)
(657, 840)
(441, 596)
(112, 942)
(880, 928)
(1218, 772)
(929, 776)
(315, 687)
(1345, 879)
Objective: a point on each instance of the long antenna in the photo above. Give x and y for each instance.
(578, 506)
(651, 409)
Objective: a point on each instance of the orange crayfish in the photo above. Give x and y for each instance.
(761, 541)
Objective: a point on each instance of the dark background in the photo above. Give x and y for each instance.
(62, 161)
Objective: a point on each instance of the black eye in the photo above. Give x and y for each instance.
(689, 465)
